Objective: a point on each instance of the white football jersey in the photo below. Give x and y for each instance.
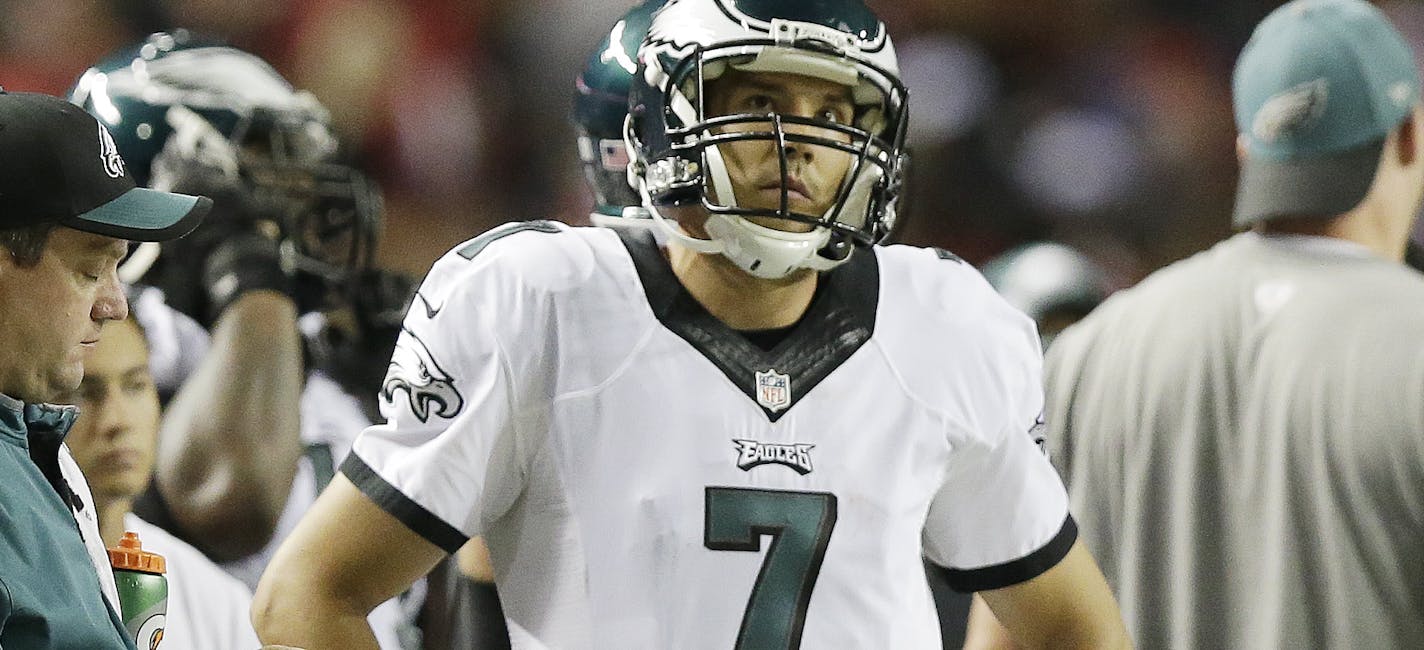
(331, 419)
(646, 477)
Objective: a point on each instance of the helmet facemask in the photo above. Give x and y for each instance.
(693, 166)
(277, 165)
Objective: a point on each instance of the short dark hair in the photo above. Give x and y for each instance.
(27, 243)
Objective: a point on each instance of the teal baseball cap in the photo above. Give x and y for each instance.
(1317, 90)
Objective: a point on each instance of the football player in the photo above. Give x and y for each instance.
(259, 421)
(600, 108)
(772, 421)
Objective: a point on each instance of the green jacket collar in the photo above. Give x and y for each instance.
(19, 420)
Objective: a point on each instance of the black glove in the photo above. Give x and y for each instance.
(238, 247)
(245, 262)
(234, 251)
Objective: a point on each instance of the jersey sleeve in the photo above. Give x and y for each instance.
(457, 397)
(1001, 515)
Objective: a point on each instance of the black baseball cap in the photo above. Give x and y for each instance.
(59, 165)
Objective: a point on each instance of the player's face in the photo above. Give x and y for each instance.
(116, 433)
(51, 313)
(813, 172)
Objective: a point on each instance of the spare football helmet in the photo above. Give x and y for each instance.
(193, 113)
(1052, 283)
(600, 108)
(676, 142)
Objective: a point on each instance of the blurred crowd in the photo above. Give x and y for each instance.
(1102, 123)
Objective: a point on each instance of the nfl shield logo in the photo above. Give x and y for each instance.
(773, 390)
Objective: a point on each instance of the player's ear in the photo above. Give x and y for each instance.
(1241, 148)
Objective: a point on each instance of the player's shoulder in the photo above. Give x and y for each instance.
(955, 345)
(539, 255)
(935, 290)
(944, 328)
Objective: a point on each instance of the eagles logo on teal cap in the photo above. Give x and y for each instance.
(1317, 89)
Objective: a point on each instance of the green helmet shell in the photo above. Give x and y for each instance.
(601, 104)
(132, 90)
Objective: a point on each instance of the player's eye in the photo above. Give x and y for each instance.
(758, 103)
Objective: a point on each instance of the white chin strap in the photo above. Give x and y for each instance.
(767, 252)
(762, 252)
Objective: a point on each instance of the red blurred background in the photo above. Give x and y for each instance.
(1103, 123)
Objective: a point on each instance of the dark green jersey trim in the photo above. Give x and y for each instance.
(400, 506)
(840, 319)
(1013, 572)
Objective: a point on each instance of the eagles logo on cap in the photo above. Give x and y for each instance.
(1290, 110)
(109, 153)
(48, 175)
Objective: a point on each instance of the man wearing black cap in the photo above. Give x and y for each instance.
(1241, 433)
(67, 208)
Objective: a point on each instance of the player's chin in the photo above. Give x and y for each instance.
(64, 379)
(784, 225)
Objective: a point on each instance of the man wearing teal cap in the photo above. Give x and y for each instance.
(1242, 434)
(67, 208)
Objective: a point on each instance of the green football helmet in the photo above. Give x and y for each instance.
(193, 113)
(601, 106)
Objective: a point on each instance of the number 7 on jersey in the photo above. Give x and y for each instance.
(800, 525)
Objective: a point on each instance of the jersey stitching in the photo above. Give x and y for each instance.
(516, 410)
(943, 414)
(623, 366)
